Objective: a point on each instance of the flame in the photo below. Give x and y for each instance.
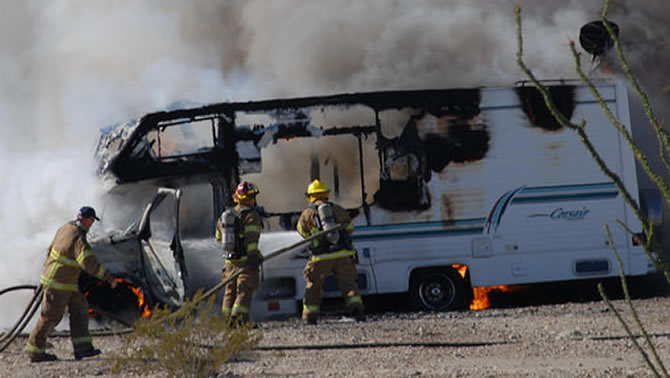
(146, 313)
(480, 300)
(141, 304)
(461, 269)
(481, 295)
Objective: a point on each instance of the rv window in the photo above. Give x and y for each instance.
(290, 165)
(144, 147)
(403, 177)
(183, 139)
(414, 143)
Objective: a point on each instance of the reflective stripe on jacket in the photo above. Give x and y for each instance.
(307, 226)
(68, 255)
(250, 232)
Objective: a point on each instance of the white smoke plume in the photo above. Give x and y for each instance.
(71, 67)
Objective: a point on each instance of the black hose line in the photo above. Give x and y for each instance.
(373, 345)
(18, 287)
(36, 295)
(28, 313)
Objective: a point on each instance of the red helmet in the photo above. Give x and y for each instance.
(244, 191)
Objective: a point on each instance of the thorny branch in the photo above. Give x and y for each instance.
(633, 311)
(663, 137)
(664, 142)
(640, 157)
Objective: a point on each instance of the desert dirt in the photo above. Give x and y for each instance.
(556, 331)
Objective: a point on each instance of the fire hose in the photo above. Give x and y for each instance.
(267, 257)
(28, 313)
(35, 302)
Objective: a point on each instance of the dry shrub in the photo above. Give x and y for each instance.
(191, 342)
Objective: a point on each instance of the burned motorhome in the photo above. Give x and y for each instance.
(436, 179)
(413, 133)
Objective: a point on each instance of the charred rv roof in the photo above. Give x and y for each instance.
(218, 138)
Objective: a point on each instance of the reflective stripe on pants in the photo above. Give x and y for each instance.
(316, 272)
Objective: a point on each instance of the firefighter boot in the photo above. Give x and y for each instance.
(90, 352)
(43, 357)
(310, 319)
(358, 314)
(241, 320)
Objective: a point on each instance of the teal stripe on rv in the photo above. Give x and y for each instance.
(564, 188)
(418, 230)
(600, 190)
(409, 226)
(566, 193)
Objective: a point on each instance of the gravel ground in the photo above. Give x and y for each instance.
(571, 339)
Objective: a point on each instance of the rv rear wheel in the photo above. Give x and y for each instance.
(437, 290)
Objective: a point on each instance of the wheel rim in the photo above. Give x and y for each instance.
(437, 292)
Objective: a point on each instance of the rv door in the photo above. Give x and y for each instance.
(162, 256)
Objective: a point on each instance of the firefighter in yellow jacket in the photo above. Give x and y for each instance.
(238, 230)
(331, 253)
(67, 255)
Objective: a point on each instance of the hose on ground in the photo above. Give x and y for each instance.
(24, 319)
(37, 294)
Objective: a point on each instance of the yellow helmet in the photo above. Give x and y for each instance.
(316, 187)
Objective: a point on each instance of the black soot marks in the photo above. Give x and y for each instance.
(532, 103)
(462, 143)
(402, 185)
(408, 160)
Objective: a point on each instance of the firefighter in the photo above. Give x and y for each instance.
(331, 253)
(238, 230)
(67, 255)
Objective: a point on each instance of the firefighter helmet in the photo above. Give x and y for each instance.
(245, 191)
(316, 187)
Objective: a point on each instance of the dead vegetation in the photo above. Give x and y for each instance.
(193, 344)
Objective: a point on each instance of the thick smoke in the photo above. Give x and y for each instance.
(71, 67)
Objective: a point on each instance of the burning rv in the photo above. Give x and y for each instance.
(483, 178)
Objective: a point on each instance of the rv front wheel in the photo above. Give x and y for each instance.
(437, 290)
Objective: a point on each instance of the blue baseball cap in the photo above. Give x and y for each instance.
(87, 212)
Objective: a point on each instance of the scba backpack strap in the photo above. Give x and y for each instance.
(325, 220)
(322, 246)
(232, 238)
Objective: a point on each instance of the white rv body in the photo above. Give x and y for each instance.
(531, 210)
(449, 189)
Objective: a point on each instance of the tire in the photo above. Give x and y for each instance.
(438, 290)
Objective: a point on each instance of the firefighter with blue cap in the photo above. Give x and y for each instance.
(68, 254)
(332, 253)
(238, 230)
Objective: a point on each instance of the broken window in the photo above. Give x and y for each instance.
(414, 142)
(403, 174)
(291, 164)
(171, 141)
